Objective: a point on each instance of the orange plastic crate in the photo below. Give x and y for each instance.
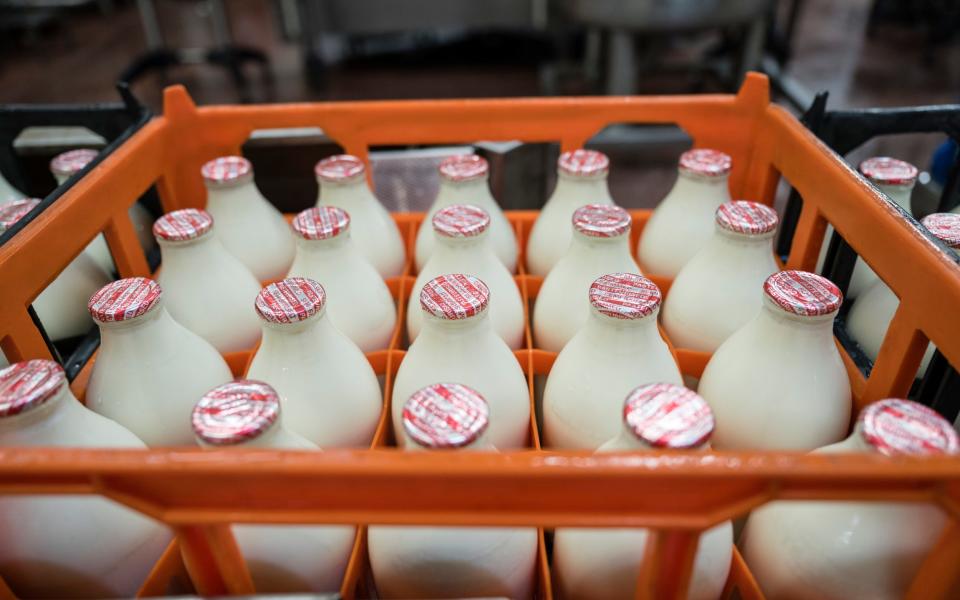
(679, 494)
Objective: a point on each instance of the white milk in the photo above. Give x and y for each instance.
(617, 348)
(581, 179)
(604, 564)
(451, 562)
(358, 301)
(150, 369)
(715, 293)
(463, 180)
(68, 546)
(778, 383)
(329, 392)
(281, 558)
(249, 226)
(463, 246)
(683, 221)
(600, 244)
(207, 289)
(343, 183)
(458, 343)
(853, 550)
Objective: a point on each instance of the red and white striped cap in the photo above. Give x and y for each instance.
(803, 294)
(321, 223)
(182, 225)
(670, 416)
(747, 218)
(27, 385)
(235, 412)
(445, 416)
(706, 163)
(946, 226)
(624, 296)
(464, 167)
(292, 300)
(455, 296)
(13, 211)
(895, 427)
(226, 171)
(72, 161)
(884, 170)
(461, 221)
(124, 300)
(339, 168)
(601, 220)
(584, 163)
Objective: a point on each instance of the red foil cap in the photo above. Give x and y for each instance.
(321, 223)
(464, 167)
(72, 161)
(584, 163)
(898, 427)
(27, 385)
(747, 218)
(601, 220)
(339, 168)
(706, 163)
(235, 412)
(445, 415)
(946, 226)
(884, 170)
(292, 300)
(124, 299)
(226, 170)
(182, 225)
(803, 294)
(461, 221)
(13, 211)
(454, 297)
(625, 296)
(668, 416)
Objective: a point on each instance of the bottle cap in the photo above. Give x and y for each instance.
(235, 412)
(27, 385)
(445, 415)
(124, 300)
(601, 220)
(803, 294)
(72, 161)
(706, 163)
(292, 300)
(339, 168)
(584, 163)
(460, 221)
(464, 167)
(884, 170)
(670, 416)
(747, 218)
(895, 427)
(226, 171)
(946, 226)
(13, 211)
(625, 296)
(321, 223)
(182, 225)
(454, 297)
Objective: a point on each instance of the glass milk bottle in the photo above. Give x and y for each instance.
(60, 306)
(715, 293)
(358, 301)
(870, 315)
(329, 392)
(600, 244)
(343, 183)
(67, 546)
(7, 191)
(778, 383)
(66, 165)
(856, 549)
(249, 226)
(450, 562)
(458, 343)
(463, 246)
(150, 369)
(463, 180)
(207, 289)
(581, 178)
(617, 348)
(604, 564)
(895, 178)
(281, 558)
(683, 221)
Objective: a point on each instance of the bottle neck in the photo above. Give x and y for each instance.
(276, 437)
(855, 443)
(278, 331)
(473, 191)
(775, 317)
(435, 327)
(460, 245)
(145, 325)
(239, 196)
(188, 253)
(574, 191)
(899, 194)
(697, 190)
(346, 194)
(725, 242)
(337, 244)
(617, 336)
(627, 441)
(583, 246)
(60, 403)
